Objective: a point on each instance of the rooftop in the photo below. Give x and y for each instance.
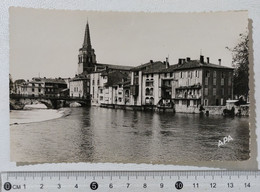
(115, 78)
(197, 64)
(117, 67)
(81, 76)
(48, 80)
(150, 67)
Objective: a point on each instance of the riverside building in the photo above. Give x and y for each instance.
(186, 86)
(51, 87)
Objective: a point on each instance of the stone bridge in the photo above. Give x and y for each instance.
(17, 102)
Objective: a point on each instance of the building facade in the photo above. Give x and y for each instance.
(42, 87)
(201, 83)
(186, 86)
(80, 86)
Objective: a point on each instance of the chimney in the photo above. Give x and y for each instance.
(180, 60)
(188, 59)
(167, 63)
(202, 59)
(219, 62)
(151, 61)
(207, 59)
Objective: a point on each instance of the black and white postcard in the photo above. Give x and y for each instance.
(117, 87)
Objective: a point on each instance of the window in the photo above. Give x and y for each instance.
(151, 75)
(101, 91)
(151, 91)
(197, 73)
(147, 76)
(171, 74)
(206, 91)
(214, 91)
(214, 81)
(32, 89)
(101, 98)
(215, 74)
(206, 102)
(229, 79)
(93, 81)
(181, 75)
(98, 82)
(191, 74)
(39, 90)
(87, 83)
(207, 73)
(147, 91)
(206, 81)
(222, 75)
(223, 91)
(222, 81)
(165, 74)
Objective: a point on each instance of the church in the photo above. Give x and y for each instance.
(87, 65)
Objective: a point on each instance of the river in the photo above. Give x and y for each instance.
(113, 135)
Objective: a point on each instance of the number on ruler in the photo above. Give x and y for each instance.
(247, 185)
(41, 186)
(196, 185)
(230, 185)
(213, 185)
(161, 185)
(93, 185)
(179, 185)
(111, 185)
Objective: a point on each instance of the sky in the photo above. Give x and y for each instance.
(45, 43)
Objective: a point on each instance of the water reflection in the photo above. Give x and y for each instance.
(109, 135)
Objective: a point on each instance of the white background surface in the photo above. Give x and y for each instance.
(253, 6)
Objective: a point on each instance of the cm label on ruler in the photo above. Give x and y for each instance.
(131, 181)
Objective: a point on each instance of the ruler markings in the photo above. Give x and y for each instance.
(187, 179)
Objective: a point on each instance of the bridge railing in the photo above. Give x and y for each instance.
(25, 96)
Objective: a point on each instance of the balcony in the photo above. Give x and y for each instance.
(197, 86)
(192, 97)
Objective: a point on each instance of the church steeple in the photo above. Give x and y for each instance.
(87, 42)
(86, 57)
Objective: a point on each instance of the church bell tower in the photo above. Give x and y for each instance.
(86, 57)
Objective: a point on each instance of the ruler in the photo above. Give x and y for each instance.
(79, 181)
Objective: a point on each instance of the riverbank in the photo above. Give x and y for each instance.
(242, 110)
(33, 115)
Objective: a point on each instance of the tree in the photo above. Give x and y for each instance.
(240, 61)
